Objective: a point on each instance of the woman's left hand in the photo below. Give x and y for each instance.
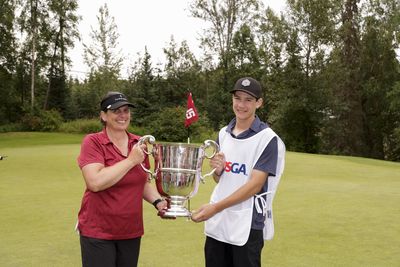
(162, 207)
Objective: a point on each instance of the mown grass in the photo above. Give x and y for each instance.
(329, 211)
(28, 139)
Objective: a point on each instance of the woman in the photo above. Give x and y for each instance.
(110, 221)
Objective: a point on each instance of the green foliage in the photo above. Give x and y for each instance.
(45, 121)
(146, 93)
(169, 126)
(81, 126)
(380, 72)
(7, 40)
(86, 126)
(11, 127)
(392, 141)
(102, 55)
(393, 147)
(86, 98)
(10, 108)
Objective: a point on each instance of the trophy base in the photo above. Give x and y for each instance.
(177, 211)
(177, 207)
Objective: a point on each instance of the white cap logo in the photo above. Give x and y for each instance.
(246, 82)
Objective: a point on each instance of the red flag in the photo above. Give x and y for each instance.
(191, 112)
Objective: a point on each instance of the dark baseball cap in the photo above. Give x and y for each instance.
(113, 101)
(248, 85)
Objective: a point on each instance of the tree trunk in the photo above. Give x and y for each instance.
(33, 52)
(51, 72)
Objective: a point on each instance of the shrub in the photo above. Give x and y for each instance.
(81, 126)
(392, 145)
(138, 130)
(51, 120)
(87, 126)
(46, 121)
(12, 127)
(168, 125)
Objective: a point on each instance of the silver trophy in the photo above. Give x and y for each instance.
(178, 171)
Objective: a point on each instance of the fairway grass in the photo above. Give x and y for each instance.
(329, 211)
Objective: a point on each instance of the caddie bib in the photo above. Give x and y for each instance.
(263, 202)
(232, 225)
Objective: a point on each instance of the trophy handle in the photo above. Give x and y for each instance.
(148, 139)
(215, 146)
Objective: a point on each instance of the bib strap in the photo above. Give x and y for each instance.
(261, 203)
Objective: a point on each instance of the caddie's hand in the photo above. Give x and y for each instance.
(218, 163)
(204, 213)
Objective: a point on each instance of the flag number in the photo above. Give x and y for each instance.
(190, 113)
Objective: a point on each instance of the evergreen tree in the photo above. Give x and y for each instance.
(225, 18)
(8, 96)
(34, 53)
(379, 73)
(63, 32)
(104, 60)
(181, 75)
(144, 92)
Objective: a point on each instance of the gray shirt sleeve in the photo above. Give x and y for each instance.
(269, 158)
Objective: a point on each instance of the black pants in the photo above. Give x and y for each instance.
(220, 254)
(109, 253)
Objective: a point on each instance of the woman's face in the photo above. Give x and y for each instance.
(117, 119)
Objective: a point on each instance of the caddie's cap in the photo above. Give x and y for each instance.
(114, 100)
(248, 85)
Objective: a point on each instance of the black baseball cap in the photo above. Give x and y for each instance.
(248, 85)
(113, 101)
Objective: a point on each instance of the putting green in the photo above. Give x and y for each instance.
(329, 211)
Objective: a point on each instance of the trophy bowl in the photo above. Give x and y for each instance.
(178, 171)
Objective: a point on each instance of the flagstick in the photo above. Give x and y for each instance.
(188, 134)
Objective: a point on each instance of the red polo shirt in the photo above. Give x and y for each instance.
(116, 212)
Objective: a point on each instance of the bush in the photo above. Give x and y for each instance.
(12, 127)
(87, 126)
(44, 121)
(138, 130)
(81, 126)
(168, 125)
(392, 146)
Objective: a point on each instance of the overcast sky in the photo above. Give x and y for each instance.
(143, 23)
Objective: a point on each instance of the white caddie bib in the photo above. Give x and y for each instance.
(233, 224)
(265, 206)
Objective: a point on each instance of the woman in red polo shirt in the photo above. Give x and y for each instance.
(110, 221)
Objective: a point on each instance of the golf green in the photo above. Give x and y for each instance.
(329, 210)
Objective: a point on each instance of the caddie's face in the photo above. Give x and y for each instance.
(117, 119)
(245, 105)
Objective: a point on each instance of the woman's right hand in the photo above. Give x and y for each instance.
(137, 154)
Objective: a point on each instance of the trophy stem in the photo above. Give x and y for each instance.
(177, 207)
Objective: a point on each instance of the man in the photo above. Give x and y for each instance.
(247, 170)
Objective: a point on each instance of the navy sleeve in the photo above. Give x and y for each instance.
(269, 158)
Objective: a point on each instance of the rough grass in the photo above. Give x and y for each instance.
(329, 211)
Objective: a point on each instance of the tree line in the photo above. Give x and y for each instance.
(329, 69)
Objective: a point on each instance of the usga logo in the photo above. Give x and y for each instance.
(235, 167)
